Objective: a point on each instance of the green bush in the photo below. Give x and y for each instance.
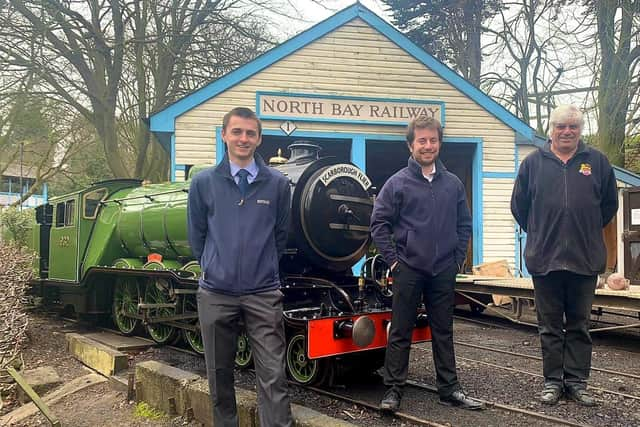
(16, 225)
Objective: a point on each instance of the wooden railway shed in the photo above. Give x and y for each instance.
(350, 84)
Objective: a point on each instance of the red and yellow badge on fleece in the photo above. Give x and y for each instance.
(585, 169)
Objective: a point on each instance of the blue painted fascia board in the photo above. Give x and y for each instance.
(164, 120)
(626, 176)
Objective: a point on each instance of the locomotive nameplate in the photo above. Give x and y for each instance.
(345, 169)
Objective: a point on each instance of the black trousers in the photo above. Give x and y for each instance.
(220, 317)
(563, 305)
(438, 295)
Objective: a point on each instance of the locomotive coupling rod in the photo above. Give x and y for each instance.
(144, 306)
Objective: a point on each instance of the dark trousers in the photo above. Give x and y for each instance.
(438, 294)
(563, 305)
(220, 317)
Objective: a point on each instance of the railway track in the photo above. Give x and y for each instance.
(506, 407)
(405, 416)
(532, 374)
(538, 358)
(371, 406)
(501, 318)
(418, 420)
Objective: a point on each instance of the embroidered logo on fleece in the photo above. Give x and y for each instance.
(264, 202)
(585, 169)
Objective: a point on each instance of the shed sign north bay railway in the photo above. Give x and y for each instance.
(345, 109)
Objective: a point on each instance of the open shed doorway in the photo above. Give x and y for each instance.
(334, 147)
(384, 158)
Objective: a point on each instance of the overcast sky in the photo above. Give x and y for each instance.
(312, 12)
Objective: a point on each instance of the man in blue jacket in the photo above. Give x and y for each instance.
(238, 214)
(564, 195)
(421, 225)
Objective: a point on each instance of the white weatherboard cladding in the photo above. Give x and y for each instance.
(356, 60)
(524, 151)
(353, 60)
(498, 238)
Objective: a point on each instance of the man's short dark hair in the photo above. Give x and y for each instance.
(245, 113)
(422, 122)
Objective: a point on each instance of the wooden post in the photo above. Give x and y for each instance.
(34, 397)
(130, 387)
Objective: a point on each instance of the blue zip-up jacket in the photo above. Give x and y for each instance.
(429, 221)
(563, 208)
(239, 241)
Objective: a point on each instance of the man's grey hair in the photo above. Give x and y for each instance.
(562, 113)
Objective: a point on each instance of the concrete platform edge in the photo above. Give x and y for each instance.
(177, 392)
(95, 355)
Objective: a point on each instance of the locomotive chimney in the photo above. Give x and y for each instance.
(303, 150)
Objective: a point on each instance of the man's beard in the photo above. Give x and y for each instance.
(426, 163)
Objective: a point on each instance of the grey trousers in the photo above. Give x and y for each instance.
(563, 305)
(220, 316)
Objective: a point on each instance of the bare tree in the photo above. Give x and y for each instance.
(450, 30)
(536, 49)
(618, 23)
(87, 47)
(172, 52)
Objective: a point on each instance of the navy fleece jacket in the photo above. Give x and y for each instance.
(429, 221)
(239, 241)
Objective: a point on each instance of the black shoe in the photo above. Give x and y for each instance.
(460, 400)
(391, 400)
(581, 396)
(550, 395)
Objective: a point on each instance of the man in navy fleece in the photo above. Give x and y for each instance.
(424, 208)
(238, 214)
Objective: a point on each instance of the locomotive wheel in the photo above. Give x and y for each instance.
(125, 303)
(192, 338)
(302, 369)
(244, 353)
(157, 293)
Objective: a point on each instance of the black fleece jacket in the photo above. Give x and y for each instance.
(563, 208)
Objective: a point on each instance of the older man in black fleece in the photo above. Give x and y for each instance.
(564, 194)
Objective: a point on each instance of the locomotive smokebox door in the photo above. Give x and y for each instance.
(330, 209)
(335, 210)
(631, 235)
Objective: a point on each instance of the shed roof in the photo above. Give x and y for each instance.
(163, 122)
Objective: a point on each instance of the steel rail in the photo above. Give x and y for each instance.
(480, 322)
(368, 405)
(528, 356)
(520, 371)
(505, 407)
(517, 321)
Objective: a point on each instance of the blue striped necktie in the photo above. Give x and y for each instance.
(243, 182)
